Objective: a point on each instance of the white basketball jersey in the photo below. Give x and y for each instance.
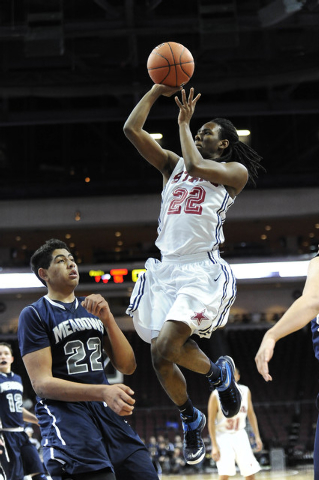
(238, 422)
(192, 214)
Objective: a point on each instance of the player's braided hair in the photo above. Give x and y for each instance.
(238, 151)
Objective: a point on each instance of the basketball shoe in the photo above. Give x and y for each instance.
(193, 445)
(228, 391)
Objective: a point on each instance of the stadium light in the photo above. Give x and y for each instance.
(242, 271)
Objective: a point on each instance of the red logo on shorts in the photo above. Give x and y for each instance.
(199, 317)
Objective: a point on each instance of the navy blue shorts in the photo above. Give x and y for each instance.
(80, 437)
(23, 456)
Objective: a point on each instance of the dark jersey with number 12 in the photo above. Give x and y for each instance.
(11, 391)
(74, 335)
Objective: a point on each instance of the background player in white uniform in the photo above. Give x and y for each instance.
(230, 442)
(191, 289)
(19, 457)
(61, 338)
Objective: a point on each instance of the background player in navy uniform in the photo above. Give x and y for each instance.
(2, 472)
(192, 289)
(61, 337)
(304, 310)
(19, 457)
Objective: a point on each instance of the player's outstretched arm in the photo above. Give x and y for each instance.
(115, 344)
(39, 367)
(264, 355)
(301, 312)
(163, 160)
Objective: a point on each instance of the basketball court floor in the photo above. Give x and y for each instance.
(304, 473)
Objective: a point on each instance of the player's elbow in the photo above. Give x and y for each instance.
(38, 388)
(126, 129)
(311, 302)
(130, 370)
(192, 167)
(129, 130)
(129, 367)
(41, 387)
(315, 302)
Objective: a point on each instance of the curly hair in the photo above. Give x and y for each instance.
(238, 151)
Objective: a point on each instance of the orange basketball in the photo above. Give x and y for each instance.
(171, 64)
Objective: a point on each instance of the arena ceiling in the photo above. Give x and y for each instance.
(72, 70)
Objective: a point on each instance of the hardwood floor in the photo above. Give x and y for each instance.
(304, 473)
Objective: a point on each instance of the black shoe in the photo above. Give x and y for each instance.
(193, 445)
(228, 391)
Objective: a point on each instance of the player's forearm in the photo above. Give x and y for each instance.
(122, 354)
(214, 442)
(190, 153)
(118, 397)
(140, 113)
(28, 416)
(123, 359)
(66, 391)
(301, 312)
(254, 424)
(212, 433)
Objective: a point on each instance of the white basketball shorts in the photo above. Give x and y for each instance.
(195, 289)
(235, 448)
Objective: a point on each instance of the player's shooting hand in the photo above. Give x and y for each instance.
(264, 355)
(97, 305)
(119, 398)
(165, 90)
(187, 106)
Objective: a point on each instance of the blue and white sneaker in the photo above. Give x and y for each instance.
(228, 391)
(193, 445)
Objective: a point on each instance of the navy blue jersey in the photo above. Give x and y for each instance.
(79, 437)
(315, 332)
(74, 335)
(315, 335)
(11, 391)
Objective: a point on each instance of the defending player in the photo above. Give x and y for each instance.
(61, 338)
(303, 311)
(192, 289)
(18, 457)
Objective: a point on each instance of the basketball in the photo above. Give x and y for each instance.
(171, 64)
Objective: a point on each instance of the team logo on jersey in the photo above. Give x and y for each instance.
(10, 385)
(67, 327)
(199, 317)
